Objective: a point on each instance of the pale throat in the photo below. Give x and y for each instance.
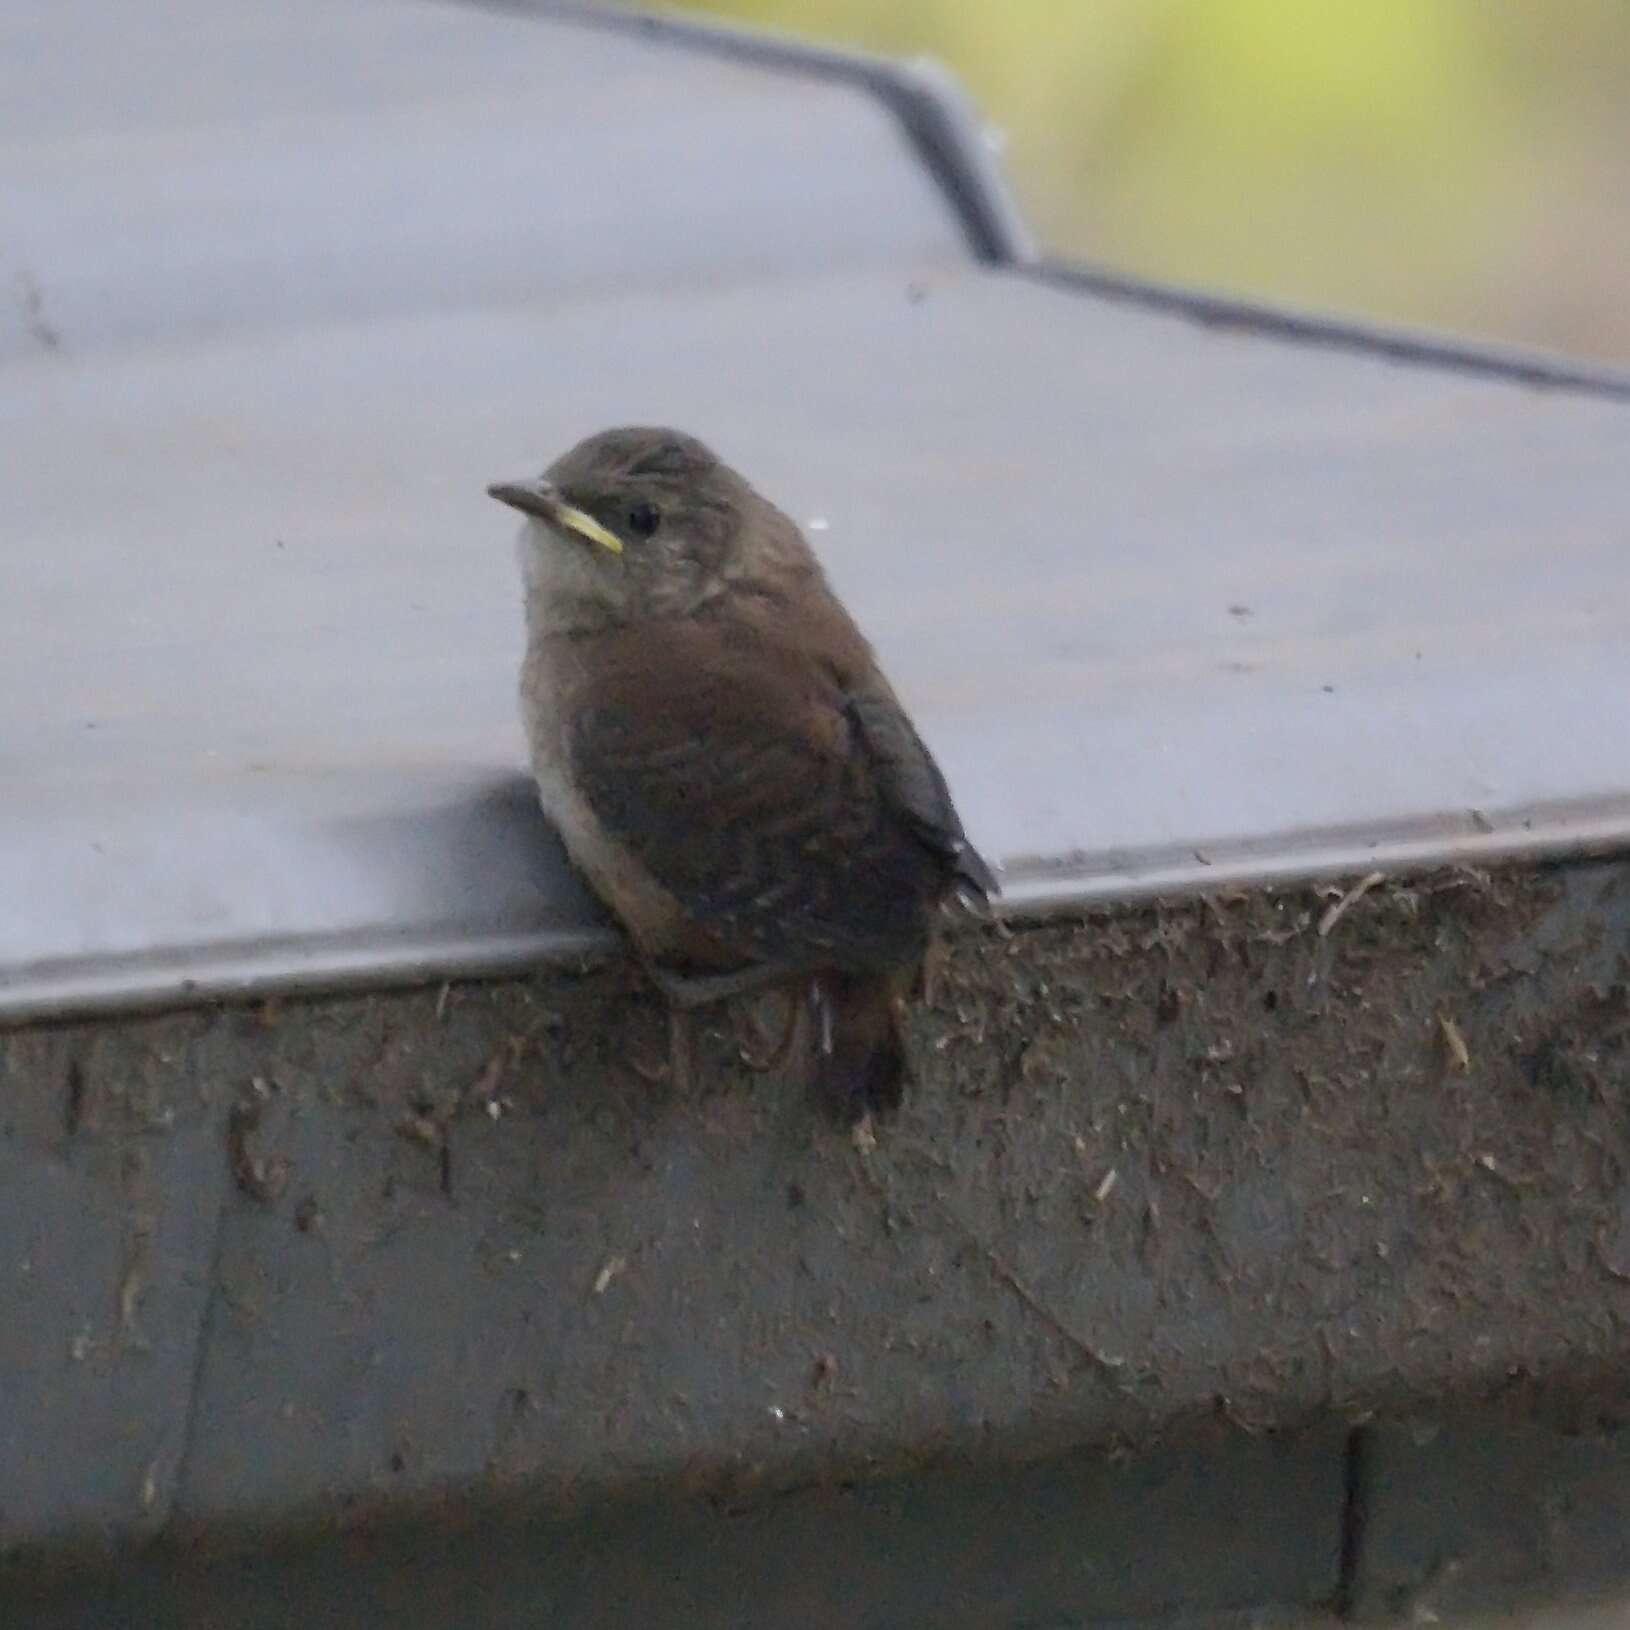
(566, 591)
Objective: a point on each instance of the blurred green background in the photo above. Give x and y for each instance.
(1456, 163)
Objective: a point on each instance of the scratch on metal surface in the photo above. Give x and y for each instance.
(39, 326)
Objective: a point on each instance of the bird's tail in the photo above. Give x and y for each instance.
(860, 1055)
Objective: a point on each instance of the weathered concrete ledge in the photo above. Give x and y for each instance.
(1281, 1160)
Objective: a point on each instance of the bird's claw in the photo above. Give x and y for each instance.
(766, 1058)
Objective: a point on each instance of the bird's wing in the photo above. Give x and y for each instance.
(913, 783)
(748, 786)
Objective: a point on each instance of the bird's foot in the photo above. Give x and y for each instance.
(760, 1056)
(820, 1014)
(676, 1070)
(704, 990)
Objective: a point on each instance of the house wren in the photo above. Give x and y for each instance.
(724, 760)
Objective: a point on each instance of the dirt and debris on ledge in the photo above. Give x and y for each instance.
(1258, 1156)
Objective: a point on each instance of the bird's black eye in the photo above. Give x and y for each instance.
(643, 518)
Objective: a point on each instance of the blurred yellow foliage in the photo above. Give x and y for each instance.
(1463, 163)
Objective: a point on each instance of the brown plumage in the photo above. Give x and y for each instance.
(725, 761)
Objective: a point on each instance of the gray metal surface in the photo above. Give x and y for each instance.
(1176, 604)
(1173, 606)
(183, 171)
(955, 144)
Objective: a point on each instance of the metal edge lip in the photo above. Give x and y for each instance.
(71, 988)
(1420, 347)
(1545, 834)
(190, 976)
(936, 114)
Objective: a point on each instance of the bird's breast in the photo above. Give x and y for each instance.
(553, 684)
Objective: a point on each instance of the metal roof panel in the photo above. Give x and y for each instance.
(1174, 605)
(1177, 601)
(309, 163)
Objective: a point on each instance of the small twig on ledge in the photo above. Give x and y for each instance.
(1348, 901)
(1459, 1053)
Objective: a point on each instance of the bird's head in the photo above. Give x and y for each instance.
(636, 523)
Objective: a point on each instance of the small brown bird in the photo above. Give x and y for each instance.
(727, 765)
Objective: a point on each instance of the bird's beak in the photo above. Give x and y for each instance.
(540, 498)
